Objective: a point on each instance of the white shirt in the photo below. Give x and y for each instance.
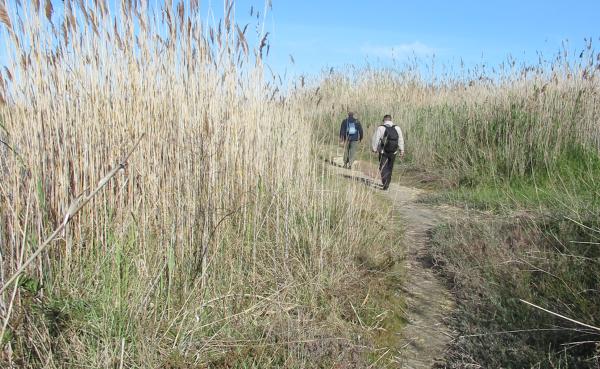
(378, 137)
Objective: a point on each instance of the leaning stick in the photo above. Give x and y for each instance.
(560, 316)
(74, 208)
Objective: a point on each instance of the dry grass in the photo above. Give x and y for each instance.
(222, 244)
(225, 243)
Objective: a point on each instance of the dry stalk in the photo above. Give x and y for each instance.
(74, 208)
(561, 316)
(4, 18)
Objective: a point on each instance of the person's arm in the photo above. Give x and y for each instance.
(375, 141)
(360, 131)
(343, 131)
(400, 141)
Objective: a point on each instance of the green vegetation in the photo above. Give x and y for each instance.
(523, 146)
(553, 262)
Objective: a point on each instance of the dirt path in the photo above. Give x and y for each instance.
(429, 302)
(426, 336)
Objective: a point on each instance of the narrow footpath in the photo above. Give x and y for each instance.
(426, 336)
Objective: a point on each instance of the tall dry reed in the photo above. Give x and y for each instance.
(222, 235)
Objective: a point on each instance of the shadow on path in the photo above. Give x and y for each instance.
(366, 181)
(355, 174)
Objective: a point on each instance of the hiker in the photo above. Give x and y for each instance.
(387, 142)
(351, 133)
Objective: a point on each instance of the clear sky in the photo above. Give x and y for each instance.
(330, 33)
(334, 33)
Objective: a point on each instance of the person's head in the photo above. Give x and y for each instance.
(350, 114)
(387, 118)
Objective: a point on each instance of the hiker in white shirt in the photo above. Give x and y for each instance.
(387, 142)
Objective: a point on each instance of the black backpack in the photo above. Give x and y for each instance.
(390, 140)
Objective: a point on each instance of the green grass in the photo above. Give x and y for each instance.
(542, 246)
(548, 261)
(572, 185)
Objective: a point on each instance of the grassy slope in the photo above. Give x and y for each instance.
(547, 255)
(494, 263)
(539, 244)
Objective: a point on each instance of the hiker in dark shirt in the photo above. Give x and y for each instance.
(351, 133)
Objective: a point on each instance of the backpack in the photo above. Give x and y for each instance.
(351, 130)
(390, 140)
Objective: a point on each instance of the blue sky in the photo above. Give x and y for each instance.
(333, 33)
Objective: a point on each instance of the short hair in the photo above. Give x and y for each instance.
(387, 117)
(350, 113)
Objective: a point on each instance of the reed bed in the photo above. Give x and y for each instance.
(222, 243)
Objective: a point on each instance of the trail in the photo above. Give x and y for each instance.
(425, 338)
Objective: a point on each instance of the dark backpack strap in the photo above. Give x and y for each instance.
(385, 131)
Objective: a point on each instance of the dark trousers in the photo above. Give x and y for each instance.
(350, 153)
(386, 164)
